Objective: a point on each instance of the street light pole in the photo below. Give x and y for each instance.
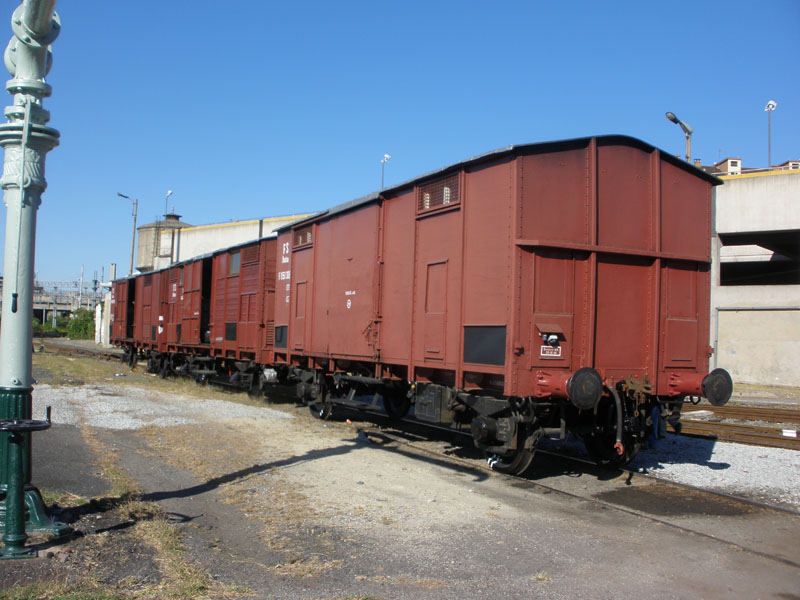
(687, 130)
(166, 212)
(133, 235)
(26, 139)
(384, 160)
(771, 105)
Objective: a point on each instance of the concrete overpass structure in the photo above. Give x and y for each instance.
(755, 295)
(62, 298)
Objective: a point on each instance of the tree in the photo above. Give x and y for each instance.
(81, 326)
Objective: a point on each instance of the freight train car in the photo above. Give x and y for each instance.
(535, 290)
(529, 291)
(209, 317)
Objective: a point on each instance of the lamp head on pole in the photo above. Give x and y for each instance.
(385, 158)
(687, 129)
(771, 105)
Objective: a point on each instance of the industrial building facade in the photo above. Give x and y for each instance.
(756, 276)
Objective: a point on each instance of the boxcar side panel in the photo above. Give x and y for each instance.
(302, 283)
(397, 278)
(487, 283)
(283, 294)
(266, 301)
(351, 260)
(191, 303)
(626, 307)
(626, 215)
(437, 297)
(172, 320)
(555, 205)
(248, 302)
(319, 296)
(680, 321)
(119, 309)
(685, 213)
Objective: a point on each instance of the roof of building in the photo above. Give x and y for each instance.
(171, 221)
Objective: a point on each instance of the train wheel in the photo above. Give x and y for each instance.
(256, 389)
(164, 368)
(396, 404)
(517, 461)
(321, 410)
(152, 365)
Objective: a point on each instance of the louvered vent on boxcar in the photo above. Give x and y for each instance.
(302, 237)
(437, 194)
(250, 255)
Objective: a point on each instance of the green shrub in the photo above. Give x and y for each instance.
(81, 325)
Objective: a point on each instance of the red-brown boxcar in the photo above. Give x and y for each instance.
(241, 325)
(209, 317)
(534, 289)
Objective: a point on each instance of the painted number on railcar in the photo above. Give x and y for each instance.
(285, 276)
(349, 293)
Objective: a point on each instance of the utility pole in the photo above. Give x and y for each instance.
(80, 290)
(133, 235)
(26, 139)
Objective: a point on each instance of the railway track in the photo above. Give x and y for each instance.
(747, 413)
(46, 345)
(754, 435)
(751, 430)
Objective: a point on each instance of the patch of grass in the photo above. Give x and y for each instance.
(62, 498)
(302, 567)
(66, 370)
(85, 590)
(541, 577)
(181, 578)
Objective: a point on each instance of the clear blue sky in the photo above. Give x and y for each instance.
(249, 109)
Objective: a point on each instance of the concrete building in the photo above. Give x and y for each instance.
(755, 320)
(154, 242)
(166, 242)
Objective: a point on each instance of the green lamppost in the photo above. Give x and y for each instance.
(26, 140)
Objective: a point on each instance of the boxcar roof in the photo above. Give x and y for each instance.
(499, 153)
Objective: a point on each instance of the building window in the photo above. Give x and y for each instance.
(437, 194)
